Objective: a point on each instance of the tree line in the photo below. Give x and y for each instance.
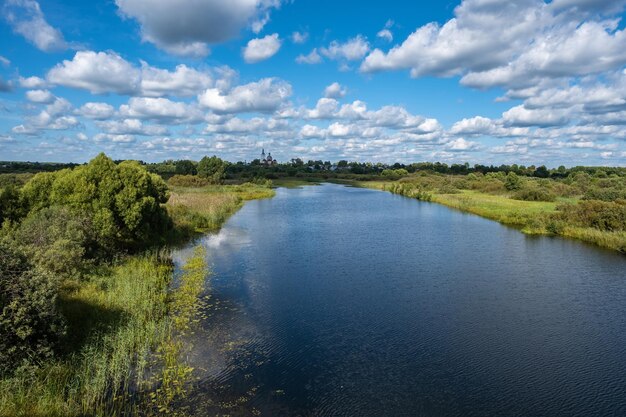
(210, 166)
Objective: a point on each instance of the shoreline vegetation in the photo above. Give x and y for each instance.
(566, 215)
(91, 322)
(99, 331)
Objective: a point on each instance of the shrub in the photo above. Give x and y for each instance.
(564, 190)
(188, 181)
(411, 191)
(123, 202)
(57, 240)
(534, 194)
(512, 182)
(604, 194)
(601, 215)
(36, 192)
(394, 173)
(16, 180)
(555, 227)
(11, 206)
(30, 323)
(448, 188)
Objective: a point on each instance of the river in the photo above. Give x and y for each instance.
(337, 301)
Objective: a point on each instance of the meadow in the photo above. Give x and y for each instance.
(568, 208)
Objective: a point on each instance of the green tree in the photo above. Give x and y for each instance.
(212, 169)
(186, 167)
(512, 182)
(122, 202)
(30, 323)
(11, 206)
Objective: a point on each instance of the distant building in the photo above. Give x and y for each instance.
(267, 160)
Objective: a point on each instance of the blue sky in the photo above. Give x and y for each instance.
(482, 81)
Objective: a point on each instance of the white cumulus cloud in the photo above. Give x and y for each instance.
(97, 72)
(311, 58)
(266, 95)
(351, 50)
(27, 19)
(260, 49)
(335, 90)
(40, 96)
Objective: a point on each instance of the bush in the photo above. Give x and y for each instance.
(555, 227)
(512, 182)
(16, 180)
(601, 215)
(188, 181)
(448, 189)
(11, 207)
(411, 191)
(122, 202)
(57, 240)
(30, 324)
(394, 173)
(604, 194)
(534, 194)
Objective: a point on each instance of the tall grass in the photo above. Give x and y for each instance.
(114, 319)
(174, 372)
(123, 354)
(203, 209)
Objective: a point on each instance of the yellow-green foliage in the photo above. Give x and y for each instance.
(184, 305)
(114, 319)
(14, 179)
(187, 181)
(494, 196)
(207, 208)
(123, 201)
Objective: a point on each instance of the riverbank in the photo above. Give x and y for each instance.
(123, 319)
(531, 217)
(205, 209)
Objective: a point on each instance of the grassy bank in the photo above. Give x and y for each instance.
(115, 317)
(205, 209)
(291, 182)
(532, 217)
(122, 353)
(174, 374)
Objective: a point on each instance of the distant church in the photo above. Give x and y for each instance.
(267, 160)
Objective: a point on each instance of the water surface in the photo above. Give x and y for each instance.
(337, 301)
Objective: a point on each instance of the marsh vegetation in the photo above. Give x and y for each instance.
(90, 322)
(581, 206)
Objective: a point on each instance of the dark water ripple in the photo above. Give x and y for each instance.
(335, 301)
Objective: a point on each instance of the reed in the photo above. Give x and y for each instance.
(197, 210)
(114, 320)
